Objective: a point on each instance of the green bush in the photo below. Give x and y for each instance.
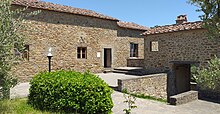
(209, 78)
(193, 70)
(70, 92)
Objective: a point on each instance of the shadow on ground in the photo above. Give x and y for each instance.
(209, 100)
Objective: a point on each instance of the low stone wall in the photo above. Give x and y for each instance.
(212, 95)
(135, 62)
(184, 98)
(154, 85)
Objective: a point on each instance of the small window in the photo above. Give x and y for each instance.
(133, 50)
(25, 54)
(22, 53)
(154, 46)
(81, 52)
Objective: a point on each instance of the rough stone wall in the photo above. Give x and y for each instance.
(135, 62)
(154, 85)
(128, 36)
(190, 45)
(125, 37)
(64, 33)
(214, 95)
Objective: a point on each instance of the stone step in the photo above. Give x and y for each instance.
(184, 98)
(107, 71)
(129, 68)
(120, 71)
(128, 72)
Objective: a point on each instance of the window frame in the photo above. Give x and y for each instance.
(133, 50)
(22, 54)
(81, 53)
(154, 46)
(25, 54)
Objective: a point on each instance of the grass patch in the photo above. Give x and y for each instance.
(18, 106)
(149, 97)
(144, 96)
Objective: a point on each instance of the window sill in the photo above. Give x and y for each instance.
(81, 59)
(133, 58)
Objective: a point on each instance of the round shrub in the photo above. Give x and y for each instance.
(70, 92)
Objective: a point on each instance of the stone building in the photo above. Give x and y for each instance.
(80, 40)
(174, 48)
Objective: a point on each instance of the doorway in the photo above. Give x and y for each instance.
(182, 76)
(107, 57)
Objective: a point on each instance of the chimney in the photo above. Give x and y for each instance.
(181, 19)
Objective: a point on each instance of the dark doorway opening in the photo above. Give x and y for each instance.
(107, 57)
(182, 77)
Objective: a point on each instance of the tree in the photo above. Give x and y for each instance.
(211, 16)
(10, 40)
(209, 78)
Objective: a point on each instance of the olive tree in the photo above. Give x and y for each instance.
(10, 41)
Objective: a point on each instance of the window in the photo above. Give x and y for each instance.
(81, 52)
(25, 54)
(154, 46)
(133, 50)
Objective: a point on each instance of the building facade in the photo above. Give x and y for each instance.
(80, 40)
(175, 48)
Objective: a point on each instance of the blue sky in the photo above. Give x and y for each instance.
(144, 12)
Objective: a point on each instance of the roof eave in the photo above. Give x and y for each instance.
(145, 34)
(113, 19)
(133, 28)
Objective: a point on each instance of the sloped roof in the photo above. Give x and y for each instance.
(77, 11)
(60, 8)
(131, 25)
(174, 28)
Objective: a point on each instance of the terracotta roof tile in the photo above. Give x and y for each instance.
(174, 28)
(131, 25)
(60, 8)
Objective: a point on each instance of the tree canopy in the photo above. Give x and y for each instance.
(211, 16)
(11, 40)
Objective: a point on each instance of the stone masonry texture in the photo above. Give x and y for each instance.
(184, 98)
(192, 45)
(154, 85)
(65, 32)
(135, 62)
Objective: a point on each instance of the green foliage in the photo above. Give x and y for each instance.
(149, 97)
(144, 96)
(69, 92)
(193, 70)
(211, 16)
(10, 39)
(209, 78)
(130, 100)
(8, 36)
